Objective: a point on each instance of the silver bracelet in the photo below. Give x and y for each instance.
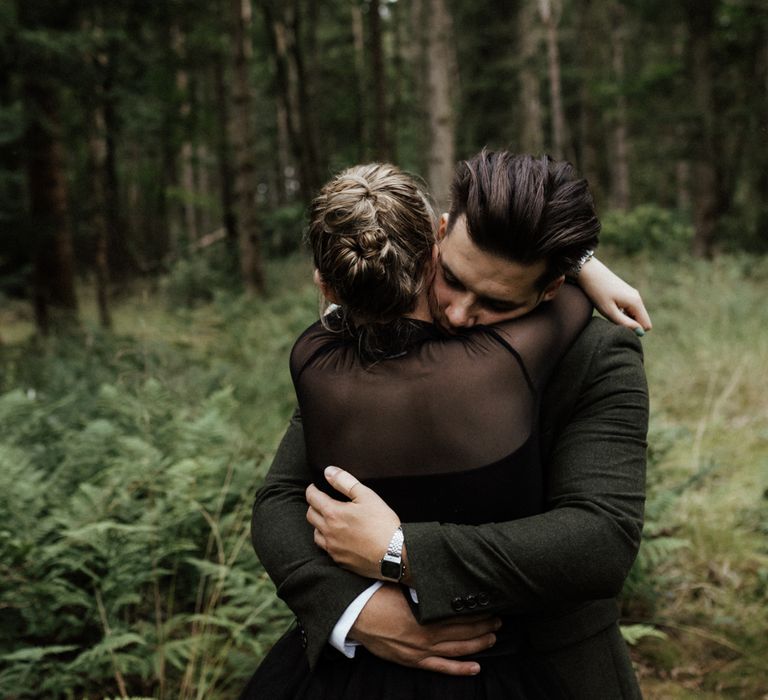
(583, 260)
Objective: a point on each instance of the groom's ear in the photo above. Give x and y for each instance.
(442, 229)
(553, 288)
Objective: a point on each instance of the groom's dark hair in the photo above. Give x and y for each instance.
(525, 209)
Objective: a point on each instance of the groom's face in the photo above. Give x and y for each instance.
(473, 287)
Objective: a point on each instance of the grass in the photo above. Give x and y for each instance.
(706, 361)
(702, 577)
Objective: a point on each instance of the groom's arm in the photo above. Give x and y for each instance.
(314, 587)
(583, 546)
(319, 591)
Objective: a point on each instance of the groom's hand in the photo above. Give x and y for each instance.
(355, 534)
(387, 628)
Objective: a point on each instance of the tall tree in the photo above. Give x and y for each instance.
(282, 22)
(378, 79)
(249, 233)
(550, 11)
(361, 113)
(709, 196)
(186, 153)
(122, 259)
(529, 40)
(223, 147)
(97, 159)
(441, 71)
(55, 299)
(589, 57)
(620, 158)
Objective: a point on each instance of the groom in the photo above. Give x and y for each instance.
(503, 249)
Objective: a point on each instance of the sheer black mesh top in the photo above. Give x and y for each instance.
(445, 429)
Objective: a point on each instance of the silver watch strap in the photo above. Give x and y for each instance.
(395, 548)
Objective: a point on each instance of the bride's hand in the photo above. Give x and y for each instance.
(613, 297)
(355, 534)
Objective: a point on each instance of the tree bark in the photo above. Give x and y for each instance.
(550, 18)
(286, 176)
(441, 70)
(224, 156)
(620, 191)
(381, 137)
(97, 153)
(249, 234)
(709, 197)
(590, 126)
(55, 300)
(416, 50)
(307, 124)
(122, 261)
(280, 28)
(529, 40)
(358, 39)
(186, 152)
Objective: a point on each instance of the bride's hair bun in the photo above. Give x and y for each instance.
(371, 231)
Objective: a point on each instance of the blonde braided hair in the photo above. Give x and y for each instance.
(371, 232)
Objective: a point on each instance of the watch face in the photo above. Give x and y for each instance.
(390, 569)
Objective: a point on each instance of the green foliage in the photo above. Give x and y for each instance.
(283, 229)
(700, 573)
(647, 228)
(634, 633)
(128, 465)
(127, 473)
(194, 280)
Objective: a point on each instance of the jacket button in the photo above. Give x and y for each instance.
(457, 604)
(302, 633)
(482, 599)
(471, 601)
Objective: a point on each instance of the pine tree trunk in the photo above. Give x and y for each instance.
(441, 71)
(709, 201)
(55, 299)
(97, 151)
(278, 31)
(249, 234)
(358, 38)
(529, 40)
(620, 192)
(283, 160)
(307, 124)
(203, 185)
(550, 18)
(590, 126)
(397, 106)
(224, 156)
(381, 138)
(122, 261)
(416, 48)
(186, 152)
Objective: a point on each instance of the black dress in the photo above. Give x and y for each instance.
(444, 429)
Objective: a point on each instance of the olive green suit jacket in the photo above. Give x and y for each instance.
(559, 571)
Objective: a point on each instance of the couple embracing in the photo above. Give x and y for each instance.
(490, 435)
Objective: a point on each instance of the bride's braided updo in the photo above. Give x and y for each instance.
(371, 232)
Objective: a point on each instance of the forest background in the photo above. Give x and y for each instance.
(156, 162)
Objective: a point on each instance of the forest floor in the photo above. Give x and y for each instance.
(701, 581)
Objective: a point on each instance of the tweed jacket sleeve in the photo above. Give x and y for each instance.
(307, 579)
(593, 431)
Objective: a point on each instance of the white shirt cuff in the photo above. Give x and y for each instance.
(339, 634)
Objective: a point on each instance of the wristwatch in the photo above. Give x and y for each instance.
(392, 567)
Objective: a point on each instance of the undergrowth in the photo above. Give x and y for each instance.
(129, 460)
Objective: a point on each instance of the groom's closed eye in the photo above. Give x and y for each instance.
(451, 280)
